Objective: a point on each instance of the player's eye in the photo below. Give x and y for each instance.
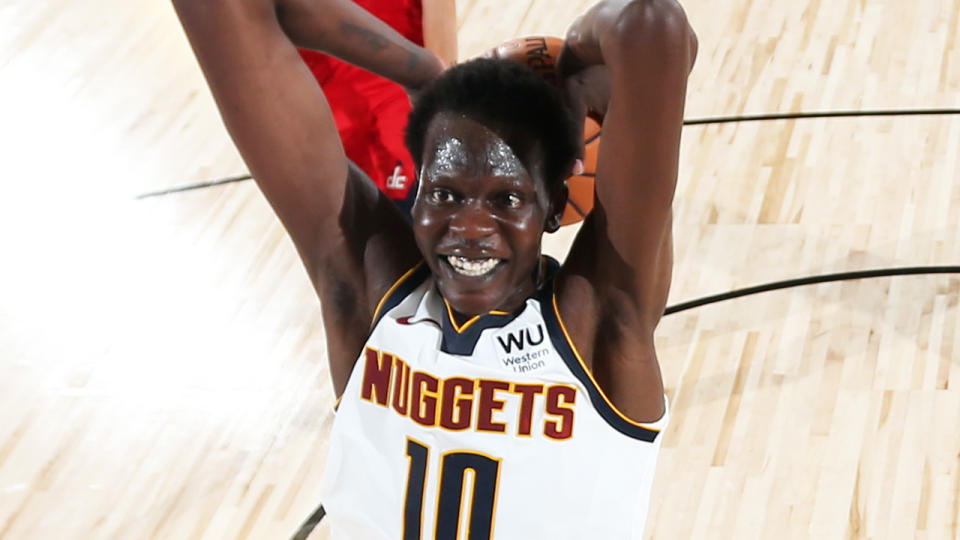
(510, 200)
(442, 196)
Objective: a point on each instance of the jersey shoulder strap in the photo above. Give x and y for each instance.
(567, 350)
(400, 289)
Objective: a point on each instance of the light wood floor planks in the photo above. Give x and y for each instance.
(163, 361)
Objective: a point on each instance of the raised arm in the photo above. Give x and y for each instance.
(349, 237)
(628, 61)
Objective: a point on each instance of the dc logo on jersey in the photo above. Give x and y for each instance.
(523, 350)
(397, 180)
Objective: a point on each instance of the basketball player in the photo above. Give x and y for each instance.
(370, 111)
(485, 391)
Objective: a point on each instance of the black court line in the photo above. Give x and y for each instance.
(823, 114)
(190, 187)
(812, 280)
(311, 523)
(693, 122)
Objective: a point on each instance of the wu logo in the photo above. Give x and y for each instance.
(521, 339)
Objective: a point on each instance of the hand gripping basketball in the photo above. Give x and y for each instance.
(540, 53)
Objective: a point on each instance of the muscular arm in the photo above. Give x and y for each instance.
(351, 241)
(621, 262)
(345, 30)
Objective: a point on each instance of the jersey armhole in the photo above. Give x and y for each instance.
(403, 286)
(647, 431)
(410, 280)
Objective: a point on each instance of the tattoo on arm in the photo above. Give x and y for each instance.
(412, 61)
(373, 40)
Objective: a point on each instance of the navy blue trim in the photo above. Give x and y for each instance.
(402, 290)
(545, 297)
(463, 343)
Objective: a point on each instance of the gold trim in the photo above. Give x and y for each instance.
(475, 318)
(576, 353)
(453, 321)
(376, 312)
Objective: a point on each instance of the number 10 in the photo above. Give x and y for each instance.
(454, 467)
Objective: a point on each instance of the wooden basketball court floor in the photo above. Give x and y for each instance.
(163, 360)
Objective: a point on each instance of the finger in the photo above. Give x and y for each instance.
(578, 167)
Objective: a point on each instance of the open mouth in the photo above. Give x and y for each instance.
(472, 267)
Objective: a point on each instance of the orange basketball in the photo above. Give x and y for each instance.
(540, 54)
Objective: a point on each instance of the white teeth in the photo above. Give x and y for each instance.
(472, 268)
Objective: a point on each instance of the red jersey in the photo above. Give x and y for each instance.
(370, 111)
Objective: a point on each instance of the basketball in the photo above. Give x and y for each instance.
(539, 53)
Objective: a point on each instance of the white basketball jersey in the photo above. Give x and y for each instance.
(489, 429)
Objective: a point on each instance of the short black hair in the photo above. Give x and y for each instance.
(502, 93)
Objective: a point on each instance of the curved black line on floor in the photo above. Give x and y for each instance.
(693, 122)
(311, 523)
(811, 280)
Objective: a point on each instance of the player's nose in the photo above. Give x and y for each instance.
(472, 221)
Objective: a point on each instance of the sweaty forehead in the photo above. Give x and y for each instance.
(456, 145)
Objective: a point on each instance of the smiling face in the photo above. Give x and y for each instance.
(480, 214)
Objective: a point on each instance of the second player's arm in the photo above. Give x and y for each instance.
(272, 107)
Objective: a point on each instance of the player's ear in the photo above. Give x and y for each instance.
(558, 202)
